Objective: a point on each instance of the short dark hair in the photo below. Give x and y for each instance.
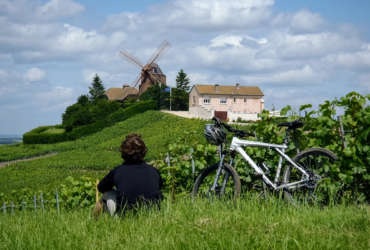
(133, 148)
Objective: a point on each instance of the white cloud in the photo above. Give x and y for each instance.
(10, 82)
(311, 45)
(297, 77)
(365, 82)
(306, 21)
(89, 74)
(18, 36)
(59, 8)
(36, 35)
(300, 22)
(196, 14)
(3, 73)
(18, 10)
(57, 98)
(50, 42)
(75, 39)
(358, 60)
(301, 75)
(4, 89)
(129, 21)
(261, 41)
(34, 75)
(224, 40)
(206, 14)
(234, 40)
(25, 11)
(231, 60)
(54, 94)
(197, 78)
(109, 78)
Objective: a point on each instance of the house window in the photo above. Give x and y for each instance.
(234, 99)
(193, 99)
(223, 100)
(206, 100)
(245, 99)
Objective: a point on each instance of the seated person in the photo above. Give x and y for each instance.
(136, 183)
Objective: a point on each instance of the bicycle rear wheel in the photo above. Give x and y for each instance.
(227, 186)
(317, 162)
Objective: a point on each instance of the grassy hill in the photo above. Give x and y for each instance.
(96, 154)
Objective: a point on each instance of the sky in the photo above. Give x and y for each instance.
(296, 51)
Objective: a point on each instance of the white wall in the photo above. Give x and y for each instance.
(244, 116)
(201, 112)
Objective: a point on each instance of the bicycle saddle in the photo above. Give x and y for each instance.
(291, 125)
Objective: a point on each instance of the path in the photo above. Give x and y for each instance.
(185, 114)
(6, 163)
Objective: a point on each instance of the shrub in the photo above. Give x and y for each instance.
(36, 136)
(73, 193)
(40, 135)
(85, 112)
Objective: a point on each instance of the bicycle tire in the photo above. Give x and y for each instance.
(316, 161)
(205, 180)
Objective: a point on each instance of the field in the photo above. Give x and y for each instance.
(199, 224)
(251, 223)
(93, 155)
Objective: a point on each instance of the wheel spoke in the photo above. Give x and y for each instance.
(313, 161)
(227, 185)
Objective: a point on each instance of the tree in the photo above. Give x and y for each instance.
(83, 113)
(103, 108)
(158, 94)
(180, 95)
(76, 115)
(83, 100)
(97, 90)
(182, 81)
(179, 99)
(89, 108)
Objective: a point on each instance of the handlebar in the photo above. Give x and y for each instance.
(237, 132)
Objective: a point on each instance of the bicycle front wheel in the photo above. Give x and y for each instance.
(317, 163)
(227, 185)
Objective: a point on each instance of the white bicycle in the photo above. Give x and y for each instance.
(299, 180)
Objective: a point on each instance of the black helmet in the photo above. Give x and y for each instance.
(214, 135)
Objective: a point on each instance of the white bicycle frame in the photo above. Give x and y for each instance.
(237, 144)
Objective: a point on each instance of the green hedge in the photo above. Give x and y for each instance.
(36, 136)
(39, 136)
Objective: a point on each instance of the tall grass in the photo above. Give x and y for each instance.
(199, 224)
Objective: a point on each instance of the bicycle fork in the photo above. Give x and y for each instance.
(226, 176)
(218, 173)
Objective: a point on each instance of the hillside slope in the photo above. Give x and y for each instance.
(96, 154)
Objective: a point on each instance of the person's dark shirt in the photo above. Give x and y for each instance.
(134, 182)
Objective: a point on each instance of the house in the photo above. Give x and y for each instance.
(226, 102)
(121, 94)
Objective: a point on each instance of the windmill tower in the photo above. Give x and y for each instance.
(151, 73)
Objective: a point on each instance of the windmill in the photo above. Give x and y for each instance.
(150, 74)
